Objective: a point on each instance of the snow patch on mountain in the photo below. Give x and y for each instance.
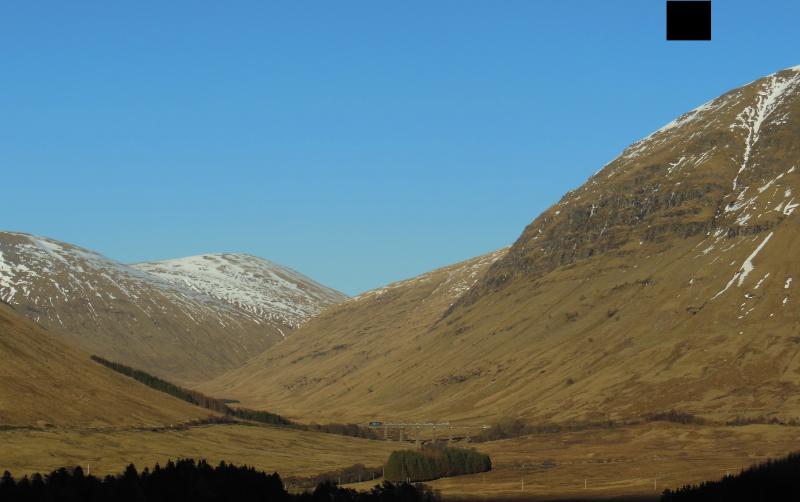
(746, 268)
(263, 288)
(753, 117)
(41, 271)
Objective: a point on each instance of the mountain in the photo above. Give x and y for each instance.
(666, 282)
(44, 381)
(352, 347)
(271, 292)
(166, 327)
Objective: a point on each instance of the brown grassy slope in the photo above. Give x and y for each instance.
(351, 349)
(662, 283)
(43, 381)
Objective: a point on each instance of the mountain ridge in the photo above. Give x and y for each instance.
(210, 274)
(135, 317)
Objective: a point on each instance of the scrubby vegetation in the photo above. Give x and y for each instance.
(353, 430)
(773, 480)
(190, 480)
(514, 428)
(354, 474)
(434, 462)
(678, 417)
(739, 421)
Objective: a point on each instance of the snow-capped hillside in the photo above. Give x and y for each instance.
(137, 318)
(44, 271)
(267, 290)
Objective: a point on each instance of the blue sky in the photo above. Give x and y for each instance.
(359, 142)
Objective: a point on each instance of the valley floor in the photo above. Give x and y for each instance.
(611, 462)
(617, 462)
(272, 449)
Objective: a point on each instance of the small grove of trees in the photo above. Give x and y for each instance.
(190, 480)
(773, 480)
(434, 462)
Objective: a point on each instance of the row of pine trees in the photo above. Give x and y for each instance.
(187, 480)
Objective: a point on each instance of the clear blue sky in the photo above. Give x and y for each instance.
(359, 142)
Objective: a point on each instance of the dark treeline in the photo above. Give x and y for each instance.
(773, 480)
(190, 396)
(221, 405)
(264, 417)
(434, 462)
(739, 421)
(190, 480)
(677, 417)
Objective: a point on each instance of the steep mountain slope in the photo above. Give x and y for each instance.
(667, 281)
(44, 381)
(272, 292)
(128, 315)
(351, 342)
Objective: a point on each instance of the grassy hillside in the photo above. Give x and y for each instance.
(43, 381)
(351, 362)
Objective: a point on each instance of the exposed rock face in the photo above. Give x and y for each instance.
(667, 281)
(172, 328)
(715, 169)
